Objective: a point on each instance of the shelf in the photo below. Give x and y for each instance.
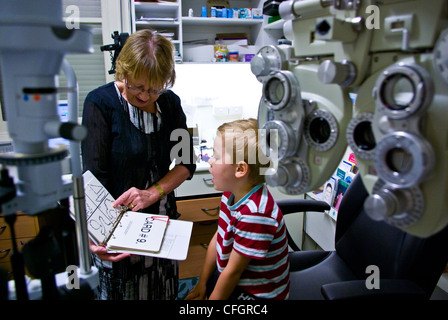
(186, 29)
(155, 10)
(165, 24)
(210, 62)
(157, 6)
(196, 21)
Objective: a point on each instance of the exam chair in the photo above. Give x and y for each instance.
(409, 267)
(288, 206)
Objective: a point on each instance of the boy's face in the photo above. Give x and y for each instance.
(221, 167)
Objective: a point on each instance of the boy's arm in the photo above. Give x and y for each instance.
(230, 276)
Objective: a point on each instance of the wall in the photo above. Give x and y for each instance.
(215, 93)
(207, 89)
(209, 92)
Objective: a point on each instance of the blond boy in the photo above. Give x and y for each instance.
(248, 255)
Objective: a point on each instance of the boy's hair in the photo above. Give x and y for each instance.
(147, 53)
(240, 140)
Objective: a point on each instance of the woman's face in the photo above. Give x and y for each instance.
(139, 94)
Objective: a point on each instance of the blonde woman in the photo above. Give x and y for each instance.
(128, 148)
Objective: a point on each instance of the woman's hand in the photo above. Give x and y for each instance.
(136, 199)
(102, 253)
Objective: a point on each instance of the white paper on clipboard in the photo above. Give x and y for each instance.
(176, 241)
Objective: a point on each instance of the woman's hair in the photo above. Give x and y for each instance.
(240, 140)
(149, 54)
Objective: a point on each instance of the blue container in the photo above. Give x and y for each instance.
(204, 12)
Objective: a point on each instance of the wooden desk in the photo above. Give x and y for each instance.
(26, 228)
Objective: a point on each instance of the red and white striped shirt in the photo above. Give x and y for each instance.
(255, 228)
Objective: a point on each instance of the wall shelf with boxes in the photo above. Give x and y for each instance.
(192, 21)
(194, 34)
(165, 17)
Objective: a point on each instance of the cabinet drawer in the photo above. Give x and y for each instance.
(25, 226)
(5, 255)
(6, 247)
(200, 238)
(197, 210)
(7, 267)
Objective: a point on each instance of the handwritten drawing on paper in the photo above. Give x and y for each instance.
(132, 232)
(100, 213)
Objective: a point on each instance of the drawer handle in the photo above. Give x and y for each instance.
(2, 229)
(4, 253)
(210, 211)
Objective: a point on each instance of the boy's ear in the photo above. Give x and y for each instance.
(242, 169)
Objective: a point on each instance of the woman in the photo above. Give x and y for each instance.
(128, 146)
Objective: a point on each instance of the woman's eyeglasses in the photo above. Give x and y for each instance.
(139, 90)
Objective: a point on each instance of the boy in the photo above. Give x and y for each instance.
(249, 252)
